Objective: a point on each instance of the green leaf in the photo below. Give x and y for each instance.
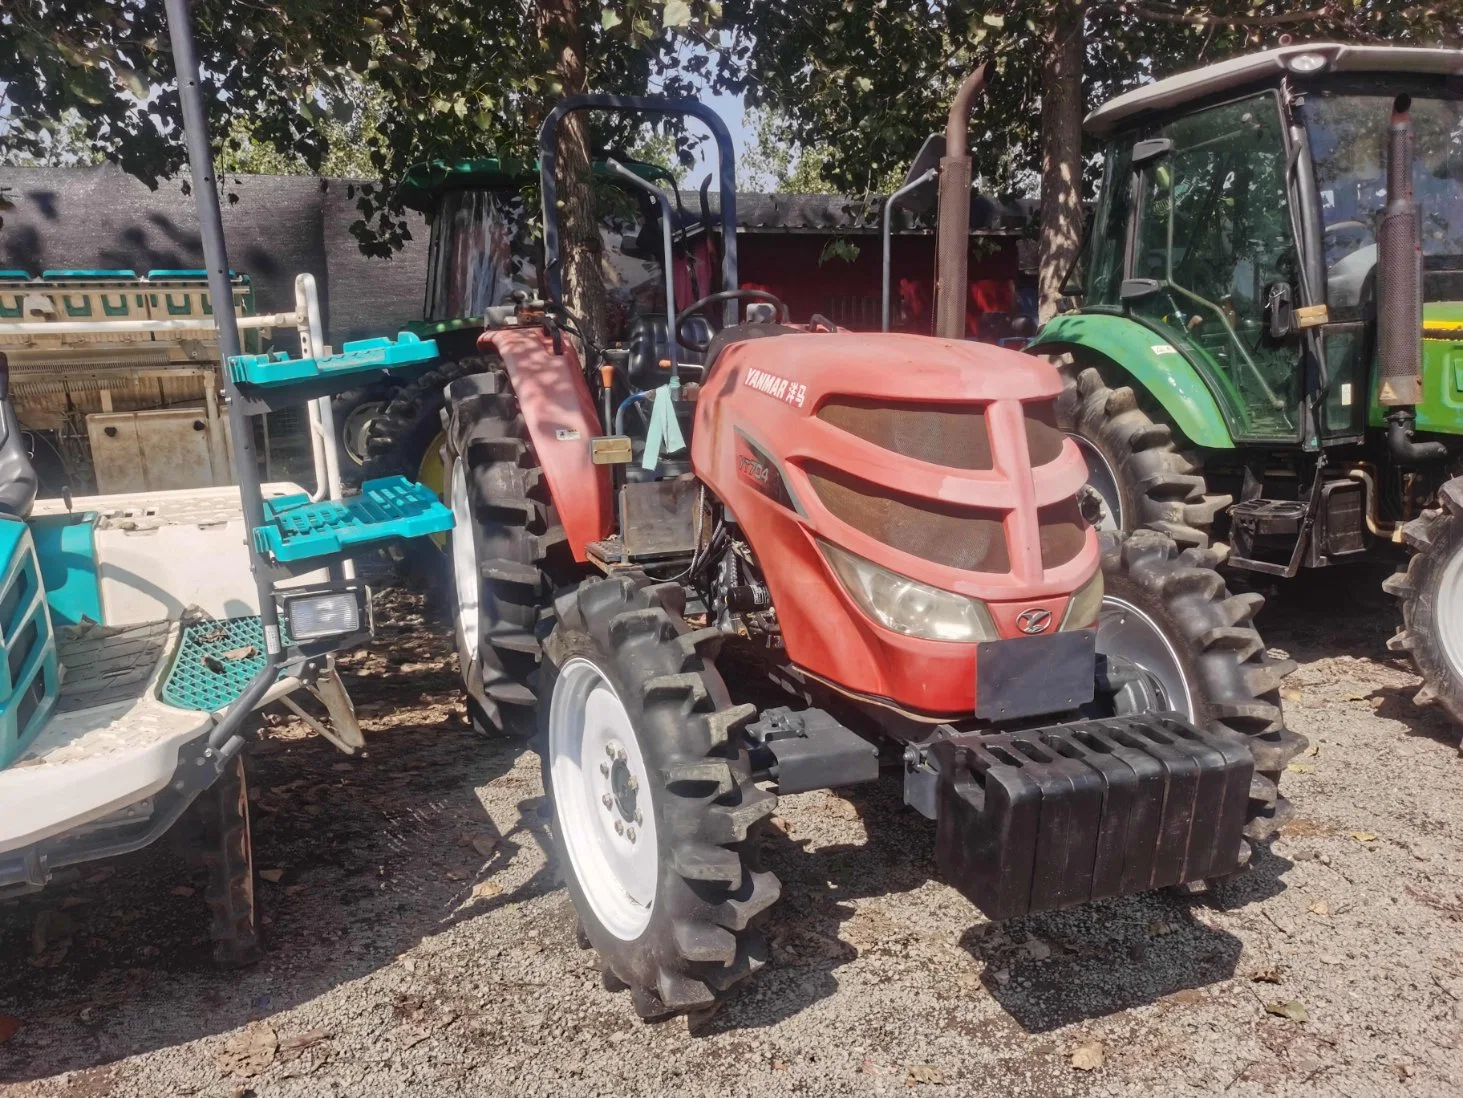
(129, 79)
(609, 19)
(677, 14)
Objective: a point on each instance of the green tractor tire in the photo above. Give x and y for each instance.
(1138, 478)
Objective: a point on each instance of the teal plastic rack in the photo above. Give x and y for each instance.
(278, 369)
(392, 507)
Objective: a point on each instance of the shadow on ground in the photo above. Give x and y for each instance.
(1046, 971)
(358, 860)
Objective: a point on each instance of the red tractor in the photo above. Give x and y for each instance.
(887, 528)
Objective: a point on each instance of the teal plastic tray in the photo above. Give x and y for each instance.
(392, 507)
(217, 659)
(278, 368)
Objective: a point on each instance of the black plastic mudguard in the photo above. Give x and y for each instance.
(1036, 820)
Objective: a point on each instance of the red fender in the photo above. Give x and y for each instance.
(561, 419)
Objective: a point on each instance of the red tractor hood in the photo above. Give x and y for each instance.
(936, 459)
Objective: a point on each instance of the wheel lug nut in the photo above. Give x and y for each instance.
(607, 801)
(604, 769)
(631, 784)
(610, 750)
(630, 834)
(638, 817)
(619, 827)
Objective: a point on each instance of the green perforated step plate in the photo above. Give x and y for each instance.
(388, 508)
(279, 369)
(217, 658)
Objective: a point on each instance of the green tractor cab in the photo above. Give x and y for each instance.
(1269, 333)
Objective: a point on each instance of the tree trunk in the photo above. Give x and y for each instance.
(1061, 152)
(561, 23)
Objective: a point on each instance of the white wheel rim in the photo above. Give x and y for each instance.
(1102, 482)
(465, 572)
(1448, 618)
(1126, 631)
(357, 426)
(601, 791)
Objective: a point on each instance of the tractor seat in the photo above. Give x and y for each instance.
(17, 474)
(649, 347)
(740, 333)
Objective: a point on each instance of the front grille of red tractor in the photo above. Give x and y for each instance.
(969, 538)
(954, 436)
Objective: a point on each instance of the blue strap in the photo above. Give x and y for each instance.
(665, 429)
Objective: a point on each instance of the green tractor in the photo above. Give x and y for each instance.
(1269, 343)
(482, 258)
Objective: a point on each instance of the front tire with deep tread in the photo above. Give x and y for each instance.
(518, 552)
(1235, 682)
(1159, 487)
(699, 939)
(1436, 540)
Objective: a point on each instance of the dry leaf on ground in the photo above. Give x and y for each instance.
(1293, 1009)
(1088, 1056)
(924, 1073)
(249, 1051)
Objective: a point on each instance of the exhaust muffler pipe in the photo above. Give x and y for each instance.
(952, 240)
(1399, 304)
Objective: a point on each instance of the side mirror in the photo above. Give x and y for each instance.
(1134, 289)
(1280, 311)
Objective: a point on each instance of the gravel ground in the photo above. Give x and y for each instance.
(419, 941)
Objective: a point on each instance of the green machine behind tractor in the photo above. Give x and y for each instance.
(1269, 345)
(483, 257)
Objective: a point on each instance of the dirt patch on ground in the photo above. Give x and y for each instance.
(419, 940)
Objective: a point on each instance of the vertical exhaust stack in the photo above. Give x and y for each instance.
(1399, 297)
(952, 242)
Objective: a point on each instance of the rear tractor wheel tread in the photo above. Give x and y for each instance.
(1163, 489)
(519, 560)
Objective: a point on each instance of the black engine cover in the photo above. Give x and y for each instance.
(1043, 819)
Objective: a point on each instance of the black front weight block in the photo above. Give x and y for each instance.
(1043, 819)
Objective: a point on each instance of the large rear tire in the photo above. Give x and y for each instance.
(1168, 616)
(653, 796)
(1137, 477)
(507, 549)
(1431, 590)
(406, 438)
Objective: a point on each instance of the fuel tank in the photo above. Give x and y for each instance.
(937, 460)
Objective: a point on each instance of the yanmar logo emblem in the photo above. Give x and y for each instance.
(1035, 620)
(779, 388)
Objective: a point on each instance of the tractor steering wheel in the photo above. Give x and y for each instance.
(715, 299)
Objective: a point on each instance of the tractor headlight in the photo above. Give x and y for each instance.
(1082, 611)
(320, 614)
(1306, 63)
(907, 606)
